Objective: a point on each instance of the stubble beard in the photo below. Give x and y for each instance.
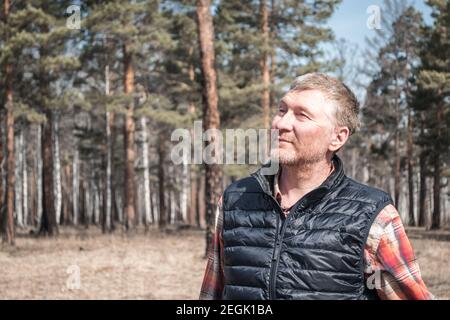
(302, 156)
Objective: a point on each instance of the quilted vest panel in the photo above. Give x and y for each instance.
(317, 252)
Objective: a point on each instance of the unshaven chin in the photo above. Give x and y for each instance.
(302, 156)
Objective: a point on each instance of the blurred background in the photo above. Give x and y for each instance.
(92, 205)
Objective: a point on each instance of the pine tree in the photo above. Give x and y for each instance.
(8, 215)
(261, 46)
(390, 91)
(37, 43)
(211, 116)
(182, 72)
(134, 32)
(433, 98)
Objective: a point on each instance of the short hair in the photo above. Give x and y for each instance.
(336, 92)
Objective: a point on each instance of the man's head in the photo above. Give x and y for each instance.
(315, 118)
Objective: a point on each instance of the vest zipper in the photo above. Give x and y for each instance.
(278, 240)
(277, 251)
(273, 263)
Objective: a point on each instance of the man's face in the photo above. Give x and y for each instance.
(306, 123)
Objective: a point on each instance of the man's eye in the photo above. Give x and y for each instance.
(282, 110)
(301, 115)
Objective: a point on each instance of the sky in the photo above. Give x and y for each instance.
(349, 21)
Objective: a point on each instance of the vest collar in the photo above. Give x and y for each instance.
(332, 181)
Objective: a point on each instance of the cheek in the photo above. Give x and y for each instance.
(308, 134)
(304, 130)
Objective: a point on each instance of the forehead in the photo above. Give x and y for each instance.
(311, 100)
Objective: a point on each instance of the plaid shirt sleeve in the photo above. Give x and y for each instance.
(213, 280)
(390, 263)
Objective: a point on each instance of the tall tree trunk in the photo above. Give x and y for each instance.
(170, 205)
(430, 201)
(39, 184)
(272, 28)
(184, 195)
(211, 117)
(67, 193)
(119, 206)
(25, 197)
(154, 203)
(175, 195)
(2, 171)
(96, 203)
(146, 173)
(140, 143)
(87, 212)
(33, 198)
(193, 210)
(152, 210)
(397, 168)
(56, 167)
(129, 141)
(18, 185)
(192, 172)
(48, 223)
(8, 220)
(445, 204)
(115, 209)
(264, 63)
(423, 213)
(201, 212)
(90, 193)
(436, 219)
(82, 200)
(397, 173)
(75, 187)
(409, 154)
(107, 216)
(161, 179)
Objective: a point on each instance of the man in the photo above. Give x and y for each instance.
(309, 231)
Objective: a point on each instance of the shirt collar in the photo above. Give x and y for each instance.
(276, 187)
(267, 182)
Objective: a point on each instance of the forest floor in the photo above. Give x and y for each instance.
(142, 266)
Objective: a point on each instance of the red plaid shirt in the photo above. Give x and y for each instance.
(389, 260)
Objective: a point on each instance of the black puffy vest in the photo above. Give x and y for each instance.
(317, 252)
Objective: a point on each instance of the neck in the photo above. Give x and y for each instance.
(296, 181)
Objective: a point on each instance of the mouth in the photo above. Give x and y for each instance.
(283, 140)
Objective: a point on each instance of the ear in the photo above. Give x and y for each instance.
(339, 138)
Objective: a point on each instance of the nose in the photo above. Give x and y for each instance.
(285, 122)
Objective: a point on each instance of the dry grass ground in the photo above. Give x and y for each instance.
(142, 266)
